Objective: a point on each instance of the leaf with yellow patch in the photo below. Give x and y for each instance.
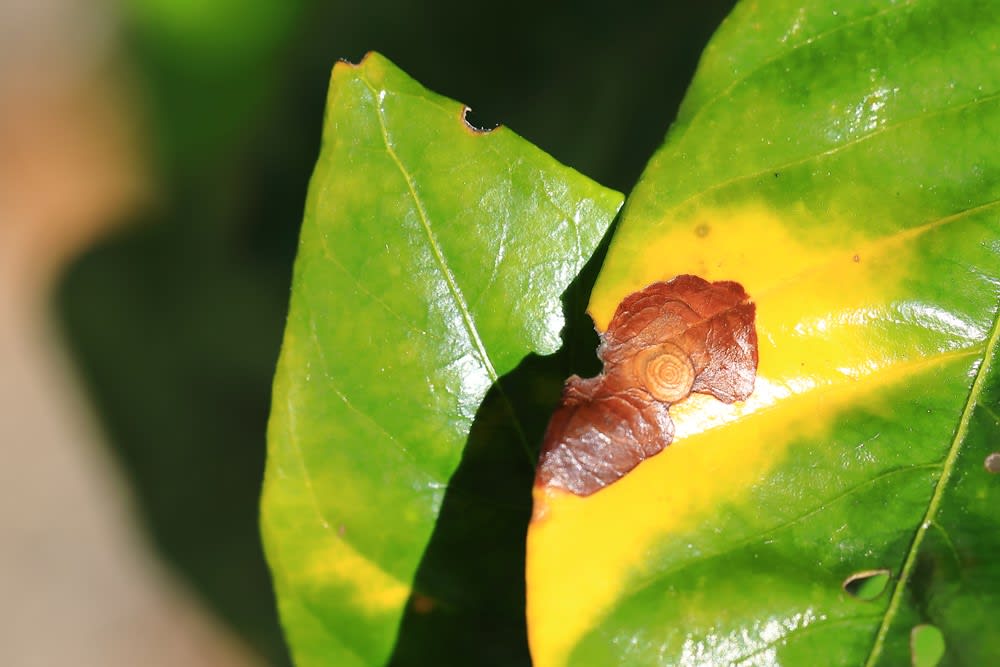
(843, 167)
(432, 259)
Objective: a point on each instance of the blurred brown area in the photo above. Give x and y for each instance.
(79, 582)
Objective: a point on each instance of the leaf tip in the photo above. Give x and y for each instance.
(372, 60)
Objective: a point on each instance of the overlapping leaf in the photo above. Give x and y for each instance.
(842, 164)
(432, 259)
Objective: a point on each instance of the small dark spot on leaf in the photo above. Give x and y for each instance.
(866, 585)
(856, 259)
(926, 645)
(422, 604)
(473, 124)
(992, 463)
(777, 173)
(702, 230)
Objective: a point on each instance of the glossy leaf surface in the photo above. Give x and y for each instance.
(432, 259)
(843, 166)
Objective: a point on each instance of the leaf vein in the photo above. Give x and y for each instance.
(809, 41)
(442, 263)
(827, 623)
(347, 401)
(884, 243)
(769, 532)
(948, 468)
(856, 141)
(456, 293)
(360, 286)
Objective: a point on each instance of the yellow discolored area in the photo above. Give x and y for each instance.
(374, 590)
(750, 245)
(816, 298)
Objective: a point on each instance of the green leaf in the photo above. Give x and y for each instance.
(926, 646)
(842, 164)
(432, 259)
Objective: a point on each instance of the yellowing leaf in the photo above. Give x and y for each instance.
(842, 166)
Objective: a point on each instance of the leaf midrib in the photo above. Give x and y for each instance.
(947, 469)
(456, 293)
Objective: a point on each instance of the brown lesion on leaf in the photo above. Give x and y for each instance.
(664, 342)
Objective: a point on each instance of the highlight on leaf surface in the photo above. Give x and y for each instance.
(664, 342)
(432, 259)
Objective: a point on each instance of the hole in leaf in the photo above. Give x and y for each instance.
(355, 62)
(422, 604)
(992, 463)
(476, 124)
(866, 585)
(926, 646)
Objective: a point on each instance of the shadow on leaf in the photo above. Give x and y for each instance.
(467, 605)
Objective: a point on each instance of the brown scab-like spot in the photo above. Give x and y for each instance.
(664, 342)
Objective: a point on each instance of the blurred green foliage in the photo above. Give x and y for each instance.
(177, 320)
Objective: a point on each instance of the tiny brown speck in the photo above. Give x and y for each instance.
(992, 463)
(856, 258)
(702, 230)
(422, 604)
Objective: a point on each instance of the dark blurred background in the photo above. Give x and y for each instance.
(175, 320)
